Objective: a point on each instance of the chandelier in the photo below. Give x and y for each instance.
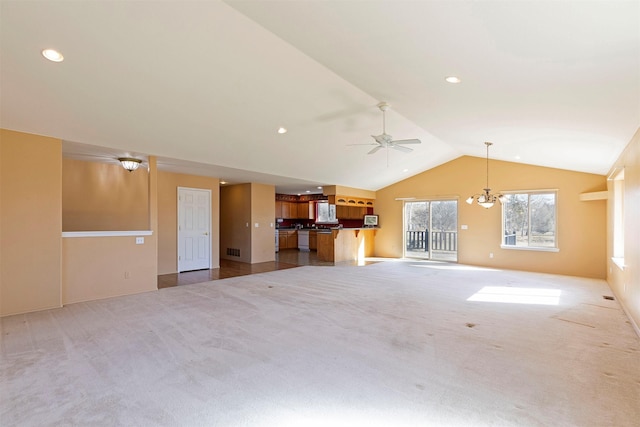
(486, 199)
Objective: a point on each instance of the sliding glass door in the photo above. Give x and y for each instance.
(431, 229)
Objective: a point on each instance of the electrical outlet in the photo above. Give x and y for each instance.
(490, 254)
(139, 240)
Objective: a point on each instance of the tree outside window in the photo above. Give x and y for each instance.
(529, 219)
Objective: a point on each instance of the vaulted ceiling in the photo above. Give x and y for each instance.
(204, 85)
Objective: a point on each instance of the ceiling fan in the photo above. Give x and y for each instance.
(385, 140)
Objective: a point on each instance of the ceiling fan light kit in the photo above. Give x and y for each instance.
(486, 199)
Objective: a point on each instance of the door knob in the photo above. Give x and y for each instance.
(206, 233)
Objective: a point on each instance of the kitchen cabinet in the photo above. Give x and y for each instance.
(292, 210)
(357, 212)
(342, 212)
(286, 210)
(347, 244)
(351, 201)
(282, 240)
(287, 239)
(350, 212)
(313, 240)
(303, 210)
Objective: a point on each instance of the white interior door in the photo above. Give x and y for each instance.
(194, 229)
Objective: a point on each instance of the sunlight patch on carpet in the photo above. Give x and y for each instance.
(458, 267)
(510, 295)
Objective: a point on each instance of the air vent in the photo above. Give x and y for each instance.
(609, 297)
(233, 252)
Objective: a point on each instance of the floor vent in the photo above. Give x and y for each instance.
(609, 297)
(233, 252)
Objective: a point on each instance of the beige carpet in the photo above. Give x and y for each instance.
(388, 344)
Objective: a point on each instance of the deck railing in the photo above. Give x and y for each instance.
(440, 241)
(417, 241)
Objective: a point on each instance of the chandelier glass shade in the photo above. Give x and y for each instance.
(486, 199)
(129, 163)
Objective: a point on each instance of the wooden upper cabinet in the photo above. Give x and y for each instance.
(278, 209)
(303, 210)
(292, 210)
(351, 201)
(286, 210)
(356, 212)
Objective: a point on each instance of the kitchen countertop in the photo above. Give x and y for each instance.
(327, 230)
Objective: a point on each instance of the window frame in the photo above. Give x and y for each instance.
(617, 178)
(529, 193)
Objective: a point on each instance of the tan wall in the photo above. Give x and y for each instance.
(30, 222)
(263, 204)
(102, 196)
(581, 225)
(168, 184)
(103, 267)
(235, 221)
(626, 283)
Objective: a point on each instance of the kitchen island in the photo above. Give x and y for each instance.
(345, 244)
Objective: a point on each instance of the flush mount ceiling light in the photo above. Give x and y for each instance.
(452, 79)
(486, 199)
(282, 130)
(53, 55)
(129, 163)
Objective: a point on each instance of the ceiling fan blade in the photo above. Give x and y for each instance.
(407, 141)
(401, 148)
(369, 143)
(374, 149)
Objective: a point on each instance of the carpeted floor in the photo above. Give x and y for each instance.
(387, 344)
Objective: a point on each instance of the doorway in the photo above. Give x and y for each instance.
(194, 229)
(431, 230)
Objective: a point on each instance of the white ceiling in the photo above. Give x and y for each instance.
(204, 85)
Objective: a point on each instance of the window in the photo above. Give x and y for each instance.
(529, 220)
(618, 218)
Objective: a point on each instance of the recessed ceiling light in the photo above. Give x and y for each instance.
(282, 130)
(405, 170)
(52, 55)
(517, 157)
(319, 187)
(223, 182)
(308, 191)
(453, 79)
